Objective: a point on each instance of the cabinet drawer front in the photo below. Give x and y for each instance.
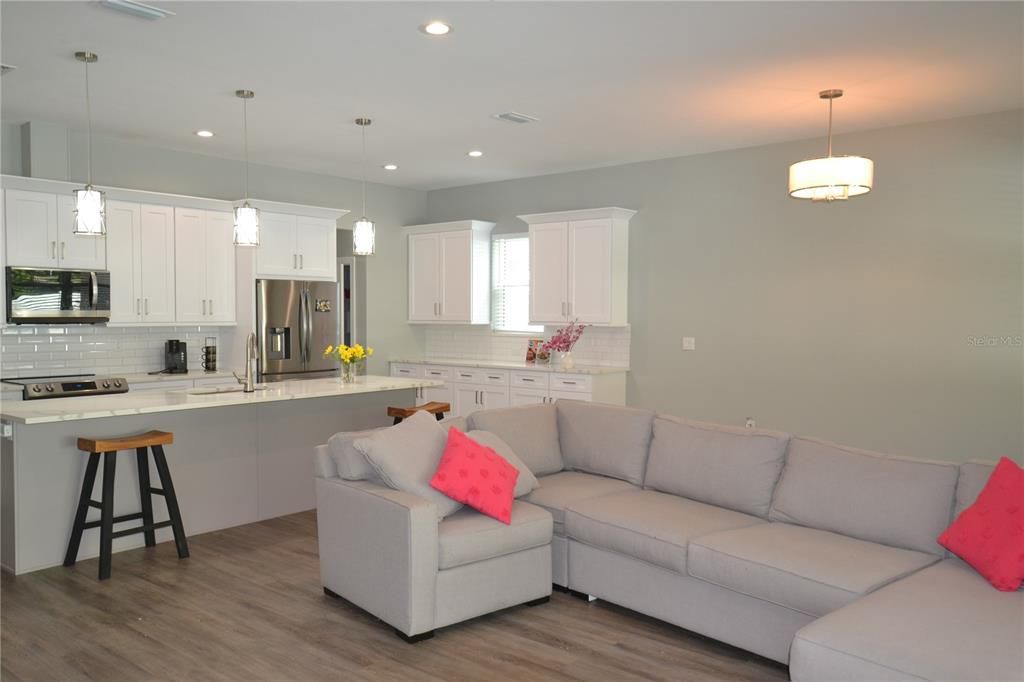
(494, 377)
(571, 382)
(530, 380)
(467, 375)
(433, 372)
(403, 370)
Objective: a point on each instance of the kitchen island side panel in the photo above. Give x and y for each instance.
(230, 465)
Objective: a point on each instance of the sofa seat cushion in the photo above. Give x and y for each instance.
(648, 525)
(468, 536)
(808, 570)
(942, 623)
(558, 491)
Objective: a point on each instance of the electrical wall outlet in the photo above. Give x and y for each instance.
(751, 424)
(689, 343)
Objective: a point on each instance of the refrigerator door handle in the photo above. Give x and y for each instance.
(302, 327)
(309, 326)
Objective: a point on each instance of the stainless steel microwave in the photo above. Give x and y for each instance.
(45, 296)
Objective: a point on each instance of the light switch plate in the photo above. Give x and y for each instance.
(689, 343)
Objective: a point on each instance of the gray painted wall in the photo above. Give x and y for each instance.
(130, 164)
(851, 321)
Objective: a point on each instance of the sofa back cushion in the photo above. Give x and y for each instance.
(527, 482)
(891, 500)
(608, 440)
(973, 477)
(726, 466)
(531, 431)
(405, 457)
(351, 463)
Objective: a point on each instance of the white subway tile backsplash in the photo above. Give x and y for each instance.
(27, 350)
(602, 346)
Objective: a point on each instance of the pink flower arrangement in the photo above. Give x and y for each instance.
(565, 338)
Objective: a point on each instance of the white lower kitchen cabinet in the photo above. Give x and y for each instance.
(469, 389)
(526, 396)
(441, 394)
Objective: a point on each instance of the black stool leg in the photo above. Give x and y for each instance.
(107, 514)
(172, 501)
(83, 508)
(398, 420)
(440, 416)
(145, 496)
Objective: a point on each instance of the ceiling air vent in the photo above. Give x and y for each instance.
(516, 117)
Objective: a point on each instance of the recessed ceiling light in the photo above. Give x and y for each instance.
(436, 28)
(204, 133)
(476, 153)
(390, 166)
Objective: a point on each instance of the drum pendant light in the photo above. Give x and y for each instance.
(90, 205)
(363, 229)
(831, 178)
(247, 218)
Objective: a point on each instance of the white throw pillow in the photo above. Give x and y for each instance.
(527, 482)
(406, 456)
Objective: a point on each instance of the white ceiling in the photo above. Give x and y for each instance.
(611, 82)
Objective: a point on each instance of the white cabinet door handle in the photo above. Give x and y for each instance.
(146, 302)
(138, 306)
(302, 262)
(211, 306)
(53, 250)
(204, 307)
(569, 306)
(62, 245)
(295, 261)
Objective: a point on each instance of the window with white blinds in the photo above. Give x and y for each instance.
(510, 287)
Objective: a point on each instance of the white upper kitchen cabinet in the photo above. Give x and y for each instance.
(579, 266)
(450, 272)
(140, 245)
(204, 266)
(297, 242)
(40, 233)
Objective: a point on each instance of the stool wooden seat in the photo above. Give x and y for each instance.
(151, 441)
(434, 407)
(143, 440)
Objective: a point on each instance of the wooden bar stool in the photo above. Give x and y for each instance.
(153, 440)
(435, 408)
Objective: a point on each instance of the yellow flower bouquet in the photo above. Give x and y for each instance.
(349, 357)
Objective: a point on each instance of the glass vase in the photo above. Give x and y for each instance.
(566, 360)
(348, 373)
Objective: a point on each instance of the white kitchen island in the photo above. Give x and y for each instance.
(236, 458)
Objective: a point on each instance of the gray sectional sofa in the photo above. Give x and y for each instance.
(806, 552)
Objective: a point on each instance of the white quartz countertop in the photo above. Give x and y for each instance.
(504, 364)
(150, 402)
(143, 378)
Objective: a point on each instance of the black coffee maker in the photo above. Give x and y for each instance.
(175, 357)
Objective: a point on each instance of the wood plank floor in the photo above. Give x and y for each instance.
(248, 606)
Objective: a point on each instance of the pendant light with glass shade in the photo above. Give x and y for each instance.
(363, 229)
(831, 178)
(90, 206)
(247, 218)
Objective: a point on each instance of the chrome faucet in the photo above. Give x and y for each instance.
(250, 357)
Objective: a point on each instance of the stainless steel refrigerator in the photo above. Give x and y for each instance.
(295, 321)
